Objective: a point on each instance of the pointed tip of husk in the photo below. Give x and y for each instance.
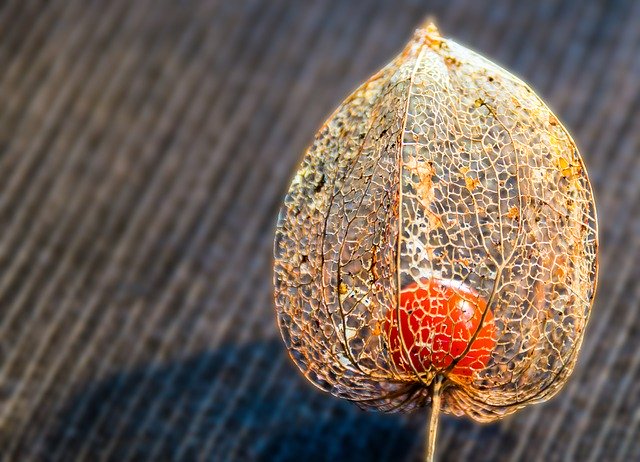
(428, 32)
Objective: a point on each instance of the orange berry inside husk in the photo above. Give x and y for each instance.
(441, 322)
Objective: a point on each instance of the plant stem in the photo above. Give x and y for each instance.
(432, 427)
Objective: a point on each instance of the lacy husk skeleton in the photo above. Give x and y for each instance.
(440, 167)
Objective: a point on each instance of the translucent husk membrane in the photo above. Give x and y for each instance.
(442, 166)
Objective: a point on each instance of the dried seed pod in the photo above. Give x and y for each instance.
(439, 235)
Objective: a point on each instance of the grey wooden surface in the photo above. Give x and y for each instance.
(144, 149)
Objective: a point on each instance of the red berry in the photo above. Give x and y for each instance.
(438, 320)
